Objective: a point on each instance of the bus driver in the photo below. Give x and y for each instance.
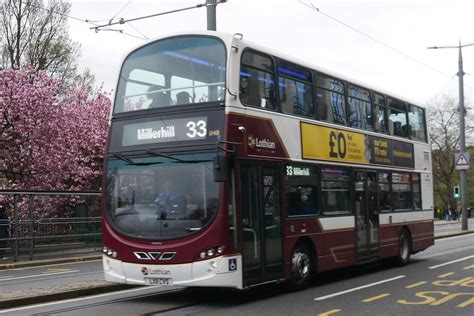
(171, 202)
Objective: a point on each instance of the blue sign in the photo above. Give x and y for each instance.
(233, 264)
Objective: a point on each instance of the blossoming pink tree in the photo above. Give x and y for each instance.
(51, 138)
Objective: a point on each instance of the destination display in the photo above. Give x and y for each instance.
(333, 144)
(168, 130)
(165, 131)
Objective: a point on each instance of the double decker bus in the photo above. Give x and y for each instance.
(230, 165)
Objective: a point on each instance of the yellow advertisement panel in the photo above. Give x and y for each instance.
(333, 144)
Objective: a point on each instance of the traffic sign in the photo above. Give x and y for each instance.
(462, 161)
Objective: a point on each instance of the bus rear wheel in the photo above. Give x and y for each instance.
(301, 268)
(404, 252)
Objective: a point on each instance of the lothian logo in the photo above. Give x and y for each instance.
(260, 143)
(251, 141)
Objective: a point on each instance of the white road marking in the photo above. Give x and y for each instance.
(86, 298)
(358, 288)
(51, 265)
(39, 275)
(451, 262)
(441, 240)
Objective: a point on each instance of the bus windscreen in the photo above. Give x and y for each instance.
(176, 71)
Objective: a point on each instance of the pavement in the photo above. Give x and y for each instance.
(77, 289)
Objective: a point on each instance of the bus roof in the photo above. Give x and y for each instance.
(228, 38)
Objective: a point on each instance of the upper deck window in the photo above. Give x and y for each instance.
(296, 94)
(397, 118)
(330, 99)
(257, 80)
(380, 114)
(360, 108)
(174, 71)
(416, 118)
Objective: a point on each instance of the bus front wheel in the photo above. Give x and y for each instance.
(301, 268)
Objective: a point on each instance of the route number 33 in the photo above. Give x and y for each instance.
(196, 129)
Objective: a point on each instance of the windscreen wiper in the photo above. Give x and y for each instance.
(133, 163)
(157, 153)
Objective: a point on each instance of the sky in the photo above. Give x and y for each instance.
(382, 43)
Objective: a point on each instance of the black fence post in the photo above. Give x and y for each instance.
(32, 228)
(15, 227)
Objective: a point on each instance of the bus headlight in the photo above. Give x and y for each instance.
(109, 252)
(211, 253)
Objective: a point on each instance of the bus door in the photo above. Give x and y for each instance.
(261, 223)
(367, 220)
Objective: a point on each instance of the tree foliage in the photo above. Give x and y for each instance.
(50, 140)
(37, 36)
(443, 117)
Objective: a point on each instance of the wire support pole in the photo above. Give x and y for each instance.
(462, 131)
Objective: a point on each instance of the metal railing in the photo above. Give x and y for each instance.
(45, 224)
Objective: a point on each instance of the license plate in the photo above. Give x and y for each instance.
(159, 281)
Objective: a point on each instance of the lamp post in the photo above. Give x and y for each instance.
(462, 130)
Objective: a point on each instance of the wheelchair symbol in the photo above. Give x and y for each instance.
(233, 264)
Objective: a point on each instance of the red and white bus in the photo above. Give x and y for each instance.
(231, 165)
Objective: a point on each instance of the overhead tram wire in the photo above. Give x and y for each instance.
(310, 5)
(90, 22)
(138, 31)
(123, 8)
(123, 21)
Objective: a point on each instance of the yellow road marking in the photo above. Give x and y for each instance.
(415, 284)
(467, 303)
(445, 275)
(371, 299)
(331, 312)
(5, 277)
(469, 267)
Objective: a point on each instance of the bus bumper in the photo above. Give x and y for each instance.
(224, 271)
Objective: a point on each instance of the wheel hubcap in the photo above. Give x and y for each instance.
(301, 265)
(403, 247)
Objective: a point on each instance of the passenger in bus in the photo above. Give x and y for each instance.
(183, 98)
(171, 202)
(406, 129)
(250, 91)
(397, 129)
(158, 97)
(288, 100)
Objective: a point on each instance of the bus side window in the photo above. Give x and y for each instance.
(416, 119)
(295, 87)
(301, 190)
(330, 99)
(287, 96)
(250, 90)
(380, 114)
(397, 114)
(257, 80)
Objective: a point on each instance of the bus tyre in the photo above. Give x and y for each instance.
(404, 252)
(301, 268)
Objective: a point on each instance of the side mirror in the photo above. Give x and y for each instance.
(221, 169)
